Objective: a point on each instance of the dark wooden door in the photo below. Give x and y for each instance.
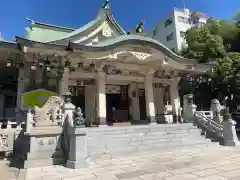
(142, 104)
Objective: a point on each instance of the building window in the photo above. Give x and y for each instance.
(183, 19)
(182, 34)
(168, 22)
(170, 37)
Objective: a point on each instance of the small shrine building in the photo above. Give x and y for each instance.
(114, 76)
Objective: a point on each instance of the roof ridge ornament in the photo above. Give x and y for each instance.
(139, 28)
(106, 4)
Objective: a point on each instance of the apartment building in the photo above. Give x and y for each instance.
(172, 30)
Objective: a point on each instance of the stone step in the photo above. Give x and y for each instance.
(140, 140)
(135, 151)
(124, 135)
(140, 136)
(157, 152)
(180, 128)
(144, 145)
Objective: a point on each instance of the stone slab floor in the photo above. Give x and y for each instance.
(212, 163)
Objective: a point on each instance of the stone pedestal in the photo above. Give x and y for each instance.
(229, 133)
(78, 148)
(189, 113)
(44, 147)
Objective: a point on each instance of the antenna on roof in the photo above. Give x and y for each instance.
(184, 5)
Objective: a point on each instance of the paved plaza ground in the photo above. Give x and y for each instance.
(213, 163)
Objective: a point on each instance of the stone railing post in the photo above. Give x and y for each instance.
(229, 130)
(75, 140)
(78, 148)
(77, 133)
(29, 122)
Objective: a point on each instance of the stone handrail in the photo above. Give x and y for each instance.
(209, 127)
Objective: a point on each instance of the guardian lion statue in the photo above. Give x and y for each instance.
(47, 114)
(216, 108)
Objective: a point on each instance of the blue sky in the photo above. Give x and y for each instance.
(75, 13)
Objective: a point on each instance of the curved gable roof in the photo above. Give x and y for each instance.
(111, 44)
(132, 40)
(105, 14)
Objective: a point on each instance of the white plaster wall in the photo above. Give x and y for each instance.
(163, 32)
(178, 42)
(183, 26)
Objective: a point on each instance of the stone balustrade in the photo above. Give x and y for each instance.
(209, 127)
(224, 132)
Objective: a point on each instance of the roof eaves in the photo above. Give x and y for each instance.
(50, 25)
(25, 42)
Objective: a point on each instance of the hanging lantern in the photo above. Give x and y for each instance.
(80, 65)
(33, 67)
(48, 68)
(92, 65)
(32, 81)
(40, 63)
(47, 65)
(67, 63)
(9, 62)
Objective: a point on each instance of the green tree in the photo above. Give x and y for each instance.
(217, 41)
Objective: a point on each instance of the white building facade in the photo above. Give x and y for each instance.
(172, 30)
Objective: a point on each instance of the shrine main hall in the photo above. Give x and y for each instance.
(113, 75)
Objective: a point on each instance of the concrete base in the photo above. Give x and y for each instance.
(153, 124)
(43, 162)
(44, 147)
(77, 164)
(103, 126)
(232, 144)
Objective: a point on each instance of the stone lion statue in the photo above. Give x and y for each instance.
(216, 108)
(47, 114)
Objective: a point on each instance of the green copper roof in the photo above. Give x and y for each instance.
(45, 32)
(104, 14)
(56, 34)
(49, 25)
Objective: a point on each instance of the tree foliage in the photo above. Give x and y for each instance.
(217, 41)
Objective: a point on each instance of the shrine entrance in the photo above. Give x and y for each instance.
(117, 104)
(78, 97)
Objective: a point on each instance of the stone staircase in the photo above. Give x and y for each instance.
(110, 142)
